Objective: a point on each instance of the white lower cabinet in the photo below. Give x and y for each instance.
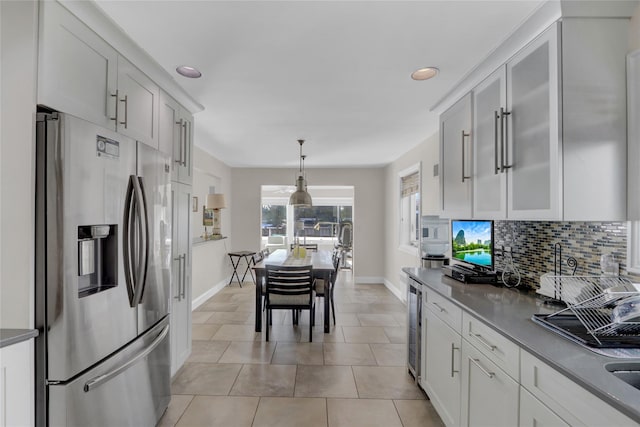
(441, 377)
(534, 413)
(476, 376)
(566, 398)
(16, 384)
(489, 395)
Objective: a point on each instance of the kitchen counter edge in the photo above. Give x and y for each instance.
(14, 336)
(509, 311)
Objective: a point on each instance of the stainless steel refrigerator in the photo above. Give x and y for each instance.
(103, 269)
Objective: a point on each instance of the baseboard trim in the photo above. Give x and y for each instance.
(197, 302)
(369, 280)
(395, 291)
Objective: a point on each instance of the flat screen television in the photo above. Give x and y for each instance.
(472, 242)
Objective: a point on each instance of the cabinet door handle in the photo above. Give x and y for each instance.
(504, 152)
(484, 371)
(442, 309)
(496, 149)
(115, 95)
(179, 259)
(126, 101)
(453, 348)
(179, 160)
(484, 342)
(184, 276)
(464, 135)
(184, 145)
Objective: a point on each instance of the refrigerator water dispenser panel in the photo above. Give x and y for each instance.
(97, 258)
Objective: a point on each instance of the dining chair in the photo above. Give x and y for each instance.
(321, 288)
(345, 241)
(259, 257)
(290, 288)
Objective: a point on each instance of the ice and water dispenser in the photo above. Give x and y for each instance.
(97, 258)
(435, 241)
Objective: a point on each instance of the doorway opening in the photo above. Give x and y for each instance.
(327, 224)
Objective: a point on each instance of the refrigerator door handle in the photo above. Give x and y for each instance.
(101, 379)
(128, 247)
(143, 238)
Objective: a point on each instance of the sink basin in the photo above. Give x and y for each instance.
(627, 372)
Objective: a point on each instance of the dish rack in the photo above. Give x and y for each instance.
(590, 300)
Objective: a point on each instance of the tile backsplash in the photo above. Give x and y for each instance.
(533, 243)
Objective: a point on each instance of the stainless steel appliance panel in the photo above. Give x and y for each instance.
(131, 388)
(154, 168)
(414, 328)
(85, 187)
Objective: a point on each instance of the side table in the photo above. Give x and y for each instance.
(235, 258)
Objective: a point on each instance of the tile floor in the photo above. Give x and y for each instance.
(353, 376)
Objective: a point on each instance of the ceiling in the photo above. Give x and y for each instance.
(335, 73)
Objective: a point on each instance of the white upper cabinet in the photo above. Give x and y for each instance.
(82, 75)
(594, 119)
(169, 128)
(633, 166)
(183, 150)
(516, 139)
(456, 160)
(77, 70)
(549, 138)
(490, 180)
(176, 138)
(531, 127)
(138, 103)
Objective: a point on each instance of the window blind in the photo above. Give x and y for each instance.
(410, 184)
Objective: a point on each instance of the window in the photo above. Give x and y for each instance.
(320, 223)
(633, 247)
(274, 220)
(409, 236)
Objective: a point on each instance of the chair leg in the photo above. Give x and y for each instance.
(270, 316)
(268, 323)
(312, 311)
(333, 309)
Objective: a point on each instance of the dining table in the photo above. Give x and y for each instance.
(322, 264)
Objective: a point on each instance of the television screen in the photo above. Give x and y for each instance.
(472, 242)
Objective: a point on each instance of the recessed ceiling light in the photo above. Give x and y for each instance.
(424, 73)
(188, 71)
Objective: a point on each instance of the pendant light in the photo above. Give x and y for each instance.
(301, 197)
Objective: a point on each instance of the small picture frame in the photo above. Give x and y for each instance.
(194, 207)
(207, 217)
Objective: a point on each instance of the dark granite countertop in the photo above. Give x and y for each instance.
(14, 336)
(509, 312)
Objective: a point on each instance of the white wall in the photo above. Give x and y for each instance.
(634, 31)
(368, 210)
(18, 64)
(210, 263)
(426, 152)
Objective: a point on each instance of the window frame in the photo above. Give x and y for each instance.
(633, 138)
(405, 241)
(633, 247)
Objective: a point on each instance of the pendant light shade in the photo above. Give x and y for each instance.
(300, 197)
